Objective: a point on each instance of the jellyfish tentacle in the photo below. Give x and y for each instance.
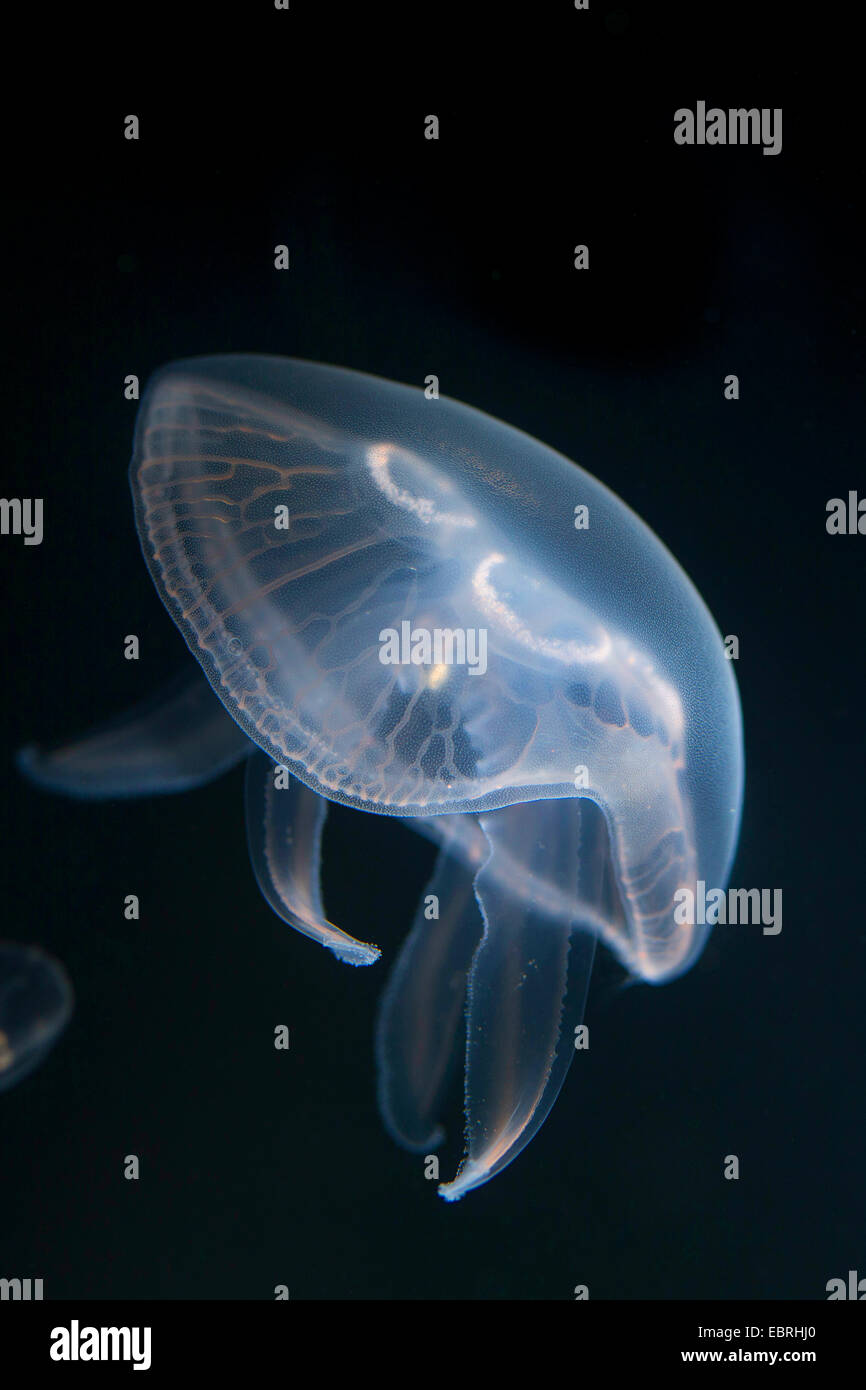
(528, 981)
(284, 830)
(179, 738)
(418, 1031)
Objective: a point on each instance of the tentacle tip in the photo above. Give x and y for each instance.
(451, 1191)
(359, 954)
(431, 1139)
(469, 1175)
(436, 1140)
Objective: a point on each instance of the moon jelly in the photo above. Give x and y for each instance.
(414, 609)
(35, 1005)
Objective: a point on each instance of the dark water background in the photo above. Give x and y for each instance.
(261, 1168)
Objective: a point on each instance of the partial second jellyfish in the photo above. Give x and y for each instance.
(35, 1006)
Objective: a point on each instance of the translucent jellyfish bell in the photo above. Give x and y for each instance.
(391, 597)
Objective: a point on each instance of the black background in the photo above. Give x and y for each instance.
(410, 257)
